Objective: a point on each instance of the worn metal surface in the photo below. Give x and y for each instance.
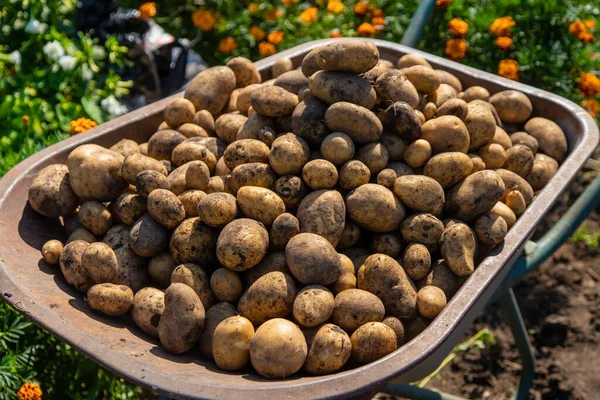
(39, 291)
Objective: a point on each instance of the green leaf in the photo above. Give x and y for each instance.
(92, 109)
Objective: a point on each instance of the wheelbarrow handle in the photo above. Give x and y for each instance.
(415, 28)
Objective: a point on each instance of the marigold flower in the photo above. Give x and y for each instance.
(589, 23)
(504, 42)
(585, 37)
(501, 26)
(273, 14)
(442, 3)
(576, 27)
(591, 106)
(334, 34)
(309, 15)
(147, 10)
(378, 23)
(378, 13)
(257, 33)
(361, 9)
(30, 390)
(589, 84)
(288, 3)
(204, 19)
(275, 37)
(81, 125)
(25, 119)
(227, 45)
(456, 49)
(579, 30)
(335, 7)
(252, 8)
(509, 69)
(365, 29)
(458, 27)
(266, 49)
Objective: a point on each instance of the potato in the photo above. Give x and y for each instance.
(245, 72)
(51, 194)
(320, 174)
(448, 168)
(165, 208)
(505, 212)
(453, 107)
(544, 168)
(449, 79)
(110, 299)
(100, 262)
(291, 190)
(226, 285)
(273, 101)
(443, 93)
(72, 266)
(228, 125)
(125, 147)
(246, 151)
(332, 87)
(162, 144)
(513, 181)
(117, 236)
(347, 279)
(357, 122)
(475, 93)
(512, 106)
(355, 307)
(190, 200)
(442, 277)
(292, 81)
(493, 155)
(95, 217)
(288, 154)
(515, 201)
(231, 343)
(278, 349)
(221, 169)
(387, 243)
(429, 110)
(148, 306)
(242, 244)
(382, 66)
(337, 148)
(270, 296)
(401, 169)
(94, 174)
(525, 139)
(397, 327)
(136, 163)
(374, 155)
(215, 145)
(178, 112)
(189, 151)
(422, 228)
(323, 212)
(421, 193)
(502, 138)
(328, 350)
(395, 146)
(308, 121)
(182, 320)
(147, 181)
(387, 177)
(355, 56)
(312, 259)
(218, 184)
(192, 130)
(281, 65)
(417, 261)
(478, 164)
(480, 123)
(384, 277)
(351, 235)
(214, 316)
(423, 78)
(193, 242)
(211, 88)
(243, 99)
(393, 86)
(353, 174)
(160, 268)
(446, 134)
(475, 195)
(132, 270)
(51, 251)
(272, 262)
(519, 160)
(260, 204)
(458, 246)
(408, 60)
(252, 174)
(372, 341)
(375, 208)
(81, 234)
(285, 227)
(431, 301)
(195, 277)
(205, 120)
(148, 238)
(130, 207)
(418, 153)
(313, 305)
(490, 229)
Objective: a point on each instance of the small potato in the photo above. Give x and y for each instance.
(51, 194)
(125, 147)
(245, 72)
(382, 66)
(214, 316)
(449, 79)
(308, 121)
(443, 93)
(221, 169)
(512, 106)
(408, 60)
(304, 94)
(51, 251)
(414, 327)
(182, 320)
(226, 285)
(490, 229)
(291, 190)
(148, 306)
(148, 238)
(162, 144)
(72, 267)
(401, 119)
(357, 122)
(228, 125)
(81, 234)
(355, 56)
(423, 78)
(347, 279)
(355, 307)
(313, 305)
(110, 299)
(502, 138)
(160, 268)
(387, 243)
(480, 123)
(278, 349)
(281, 65)
(270, 296)
(193, 151)
(260, 204)
(397, 327)
(328, 350)
(478, 164)
(519, 160)
(273, 101)
(525, 139)
(475, 195)
(515, 201)
(375, 208)
(323, 212)
(513, 181)
(475, 93)
(190, 200)
(242, 244)
(252, 174)
(246, 151)
(446, 134)
(387, 177)
(192, 130)
(393, 86)
(544, 168)
(193, 242)
(418, 153)
(178, 112)
(493, 155)
(312, 259)
(505, 212)
(163, 125)
(95, 217)
(231, 343)
(273, 262)
(448, 168)
(100, 262)
(429, 111)
(130, 207)
(320, 174)
(217, 209)
(136, 163)
(421, 193)
(422, 228)
(288, 154)
(353, 174)
(337, 148)
(332, 87)
(285, 227)
(454, 107)
(442, 277)
(292, 81)
(195, 277)
(165, 208)
(416, 261)
(243, 99)
(395, 146)
(374, 155)
(372, 341)
(147, 181)
(431, 301)
(205, 120)
(351, 235)
(458, 247)
(132, 271)
(211, 88)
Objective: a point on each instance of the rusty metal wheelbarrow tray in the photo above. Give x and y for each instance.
(39, 291)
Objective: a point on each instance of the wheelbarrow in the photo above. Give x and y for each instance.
(41, 294)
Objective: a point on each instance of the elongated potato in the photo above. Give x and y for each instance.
(402, 120)
(260, 204)
(214, 316)
(245, 72)
(454, 107)
(416, 261)
(292, 81)
(375, 208)
(245, 151)
(446, 134)
(422, 228)
(421, 193)
(357, 122)
(355, 307)
(323, 212)
(148, 306)
(355, 56)
(544, 168)
(475, 195)
(72, 266)
(423, 78)
(525, 139)
(458, 246)
(449, 79)
(551, 138)
(308, 121)
(211, 88)
(448, 168)
(505, 212)
(312, 259)
(512, 106)
(252, 174)
(480, 123)
(332, 87)
(270, 296)
(393, 86)
(195, 277)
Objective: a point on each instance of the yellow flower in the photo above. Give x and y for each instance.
(30, 391)
(81, 125)
(442, 3)
(592, 106)
(501, 26)
(504, 42)
(257, 33)
(365, 29)
(509, 69)
(589, 23)
(334, 34)
(275, 37)
(309, 15)
(227, 45)
(361, 9)
(589, 85)
(204, 19)
(455, 49)
(458, 27)
(266, 49)
(335, 7)
(147, 10)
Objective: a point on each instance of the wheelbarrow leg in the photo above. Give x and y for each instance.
(513, 316)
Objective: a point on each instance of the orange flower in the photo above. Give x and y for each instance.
(378, 13)
(365, 29)
(592, 106)
(309, 15)
(504, 42)
(147, 10)
(589, 23)
(81, 125)
(577, 27)
(334, 34)
(378, 23)
(204, 19)
(456, 49)
(227, 45)
(257, 33)
(275, 37)
(335, 7)
(501, 26)
(442, 3)
(30, 391)
(266, 49)
(252, 8)
(509, 69)
(458, 27)
(579, 30)
(25, 119)
(361, 9)
(288, 3)
(589, 84)
(586, 37)
(273, 14)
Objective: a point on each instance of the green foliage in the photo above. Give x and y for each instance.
(591, 240)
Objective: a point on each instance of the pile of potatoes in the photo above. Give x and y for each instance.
(325, 215)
